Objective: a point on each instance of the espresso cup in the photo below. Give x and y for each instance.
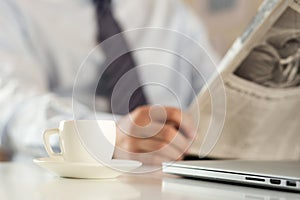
(79, 138)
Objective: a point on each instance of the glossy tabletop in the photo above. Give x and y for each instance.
(20, 181)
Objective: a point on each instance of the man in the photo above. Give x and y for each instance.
(42, 45)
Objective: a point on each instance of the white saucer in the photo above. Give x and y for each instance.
(87, 170)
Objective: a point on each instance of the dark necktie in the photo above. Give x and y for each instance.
(108, 27)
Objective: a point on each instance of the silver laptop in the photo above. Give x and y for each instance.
(273, 174)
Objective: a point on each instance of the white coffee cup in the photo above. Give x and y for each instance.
(75, 136)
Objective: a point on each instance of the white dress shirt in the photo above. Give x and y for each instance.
(43, 43)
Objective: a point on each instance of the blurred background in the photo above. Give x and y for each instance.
(225, 20)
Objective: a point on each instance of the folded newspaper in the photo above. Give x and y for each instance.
(251, 110)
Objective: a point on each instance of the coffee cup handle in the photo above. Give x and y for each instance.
(46, 136)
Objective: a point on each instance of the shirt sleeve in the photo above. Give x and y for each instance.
(204, 56)
(27, 105)
(196, 48)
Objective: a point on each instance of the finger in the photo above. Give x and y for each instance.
(181, 121)
(164, 132)
(173, 137)
(174, 117)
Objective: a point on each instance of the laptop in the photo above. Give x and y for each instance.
(283, 175)
(273, 174)
(193, 189)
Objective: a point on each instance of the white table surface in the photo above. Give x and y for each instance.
(20, 181)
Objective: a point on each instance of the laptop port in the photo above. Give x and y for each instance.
(291, 183)
(254, 179)
(275, 181)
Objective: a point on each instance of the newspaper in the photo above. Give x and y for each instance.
(258, 122)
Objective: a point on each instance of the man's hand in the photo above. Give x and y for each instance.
(154, 134)
(3, 156)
